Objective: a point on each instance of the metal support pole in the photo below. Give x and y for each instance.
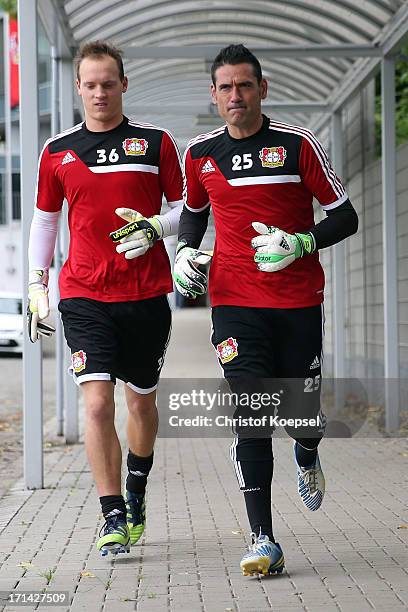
(338, 260)
(390, 265)
(338, 274)
(7, 123)
(187, 110)
(210, 51)
(71, 425)
(29, 132)
(59, 337)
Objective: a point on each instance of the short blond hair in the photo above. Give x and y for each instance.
(97, 49)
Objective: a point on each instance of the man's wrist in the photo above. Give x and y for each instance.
(157, 225)
(38, 276)
(307, 243)
(181, 245)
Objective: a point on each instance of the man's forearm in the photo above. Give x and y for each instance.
(192, 226)
(43, 235)
(340, 223)
(169, 220)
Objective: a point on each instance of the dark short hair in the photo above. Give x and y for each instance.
(236, 54)
(97, 49)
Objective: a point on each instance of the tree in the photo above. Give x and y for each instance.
(10, 7)
(401, 100)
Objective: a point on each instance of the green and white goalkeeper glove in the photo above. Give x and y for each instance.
(189, 280)
(38, 305)
(139, 235)
(276, 249)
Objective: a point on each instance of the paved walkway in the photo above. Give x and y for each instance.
(351, 555)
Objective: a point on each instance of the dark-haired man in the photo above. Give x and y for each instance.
(113, 304)
(266, 283)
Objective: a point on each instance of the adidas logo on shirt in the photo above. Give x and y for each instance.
(315, 363)
(68, 158)
(208, 167)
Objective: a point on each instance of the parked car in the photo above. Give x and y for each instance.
(11, 323)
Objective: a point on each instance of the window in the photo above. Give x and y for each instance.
(16, 197)
(2, 199)
(9, 305)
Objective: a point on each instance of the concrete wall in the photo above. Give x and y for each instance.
(364, 277)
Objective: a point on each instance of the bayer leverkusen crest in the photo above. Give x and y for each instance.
(78, 361)
(227, 350)
(272, 157)
(135, 146)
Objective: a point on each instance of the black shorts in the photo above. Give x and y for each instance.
(273, 350)
(125, 340)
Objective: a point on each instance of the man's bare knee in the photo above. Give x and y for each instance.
(140, 405)
(99, 402)
(99, 409)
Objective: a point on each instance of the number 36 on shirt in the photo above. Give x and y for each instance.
(102, 157)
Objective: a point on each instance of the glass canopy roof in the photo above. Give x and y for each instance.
(174, 91)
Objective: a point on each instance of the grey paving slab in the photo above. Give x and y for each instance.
(350, 556)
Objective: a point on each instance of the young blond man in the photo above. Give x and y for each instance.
(113, 304)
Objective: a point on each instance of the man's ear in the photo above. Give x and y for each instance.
(78, 85)
(213, 94)
(264, 89)
(125, 84)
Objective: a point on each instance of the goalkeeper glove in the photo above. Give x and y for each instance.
(138, 236)
(189, 280)
(38, 306)
(276, 249)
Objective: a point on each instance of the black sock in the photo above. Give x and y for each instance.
(112, 502)
(139, 468)
(258, 505)
(304, 456)
(257, 476)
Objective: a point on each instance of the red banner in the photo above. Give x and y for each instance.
(14, 61)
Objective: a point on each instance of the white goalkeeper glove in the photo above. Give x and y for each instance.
(38, 305)
(189, 280)
(276, 249)
(139, 235)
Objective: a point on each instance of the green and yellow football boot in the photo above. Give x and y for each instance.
(136, 514)
(114, 535)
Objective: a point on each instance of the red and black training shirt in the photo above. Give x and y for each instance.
(130, 166)
(272, 177)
